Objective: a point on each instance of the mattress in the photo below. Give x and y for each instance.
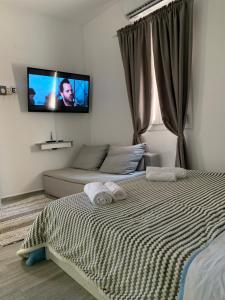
(137, 248)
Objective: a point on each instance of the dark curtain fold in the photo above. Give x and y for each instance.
(135, 46)
(172, 48)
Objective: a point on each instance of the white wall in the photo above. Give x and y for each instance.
(110, 119)
(28, 39)
(206, 141)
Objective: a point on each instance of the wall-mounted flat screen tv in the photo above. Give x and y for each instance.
(54, 91)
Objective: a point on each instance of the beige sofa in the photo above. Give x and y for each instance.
(68, 181)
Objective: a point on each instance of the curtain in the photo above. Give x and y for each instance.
(172, 48)
(135, 46)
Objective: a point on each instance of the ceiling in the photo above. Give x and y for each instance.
(79, 11)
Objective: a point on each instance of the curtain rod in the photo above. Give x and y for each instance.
(153, 3)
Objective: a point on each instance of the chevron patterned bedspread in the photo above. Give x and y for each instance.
(136, 248)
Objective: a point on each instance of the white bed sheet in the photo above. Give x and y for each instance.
(206, 275)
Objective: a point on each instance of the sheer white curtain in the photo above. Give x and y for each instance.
(156, 117)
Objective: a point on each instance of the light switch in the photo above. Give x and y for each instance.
(3, 90)
(9, 91)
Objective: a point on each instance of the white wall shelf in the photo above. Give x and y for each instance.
(55, 145)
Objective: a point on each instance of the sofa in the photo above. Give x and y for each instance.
(67, 181)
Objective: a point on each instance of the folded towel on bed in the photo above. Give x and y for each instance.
(98, 193)
(118, 193)
(179, 172)
(160, 176)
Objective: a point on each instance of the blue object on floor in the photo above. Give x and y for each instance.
(36, 256)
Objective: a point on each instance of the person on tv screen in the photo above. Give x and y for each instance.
(68, 96)
(66, 92)
(32, 94)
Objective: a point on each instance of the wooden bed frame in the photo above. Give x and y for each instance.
(76, 274)
(73, 271)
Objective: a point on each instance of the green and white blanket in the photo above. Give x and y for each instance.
(138, 247)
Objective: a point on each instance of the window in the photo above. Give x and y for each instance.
(156, 117)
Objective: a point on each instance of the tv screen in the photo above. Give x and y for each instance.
(53, 91)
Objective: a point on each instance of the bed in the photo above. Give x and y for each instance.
(138, 248)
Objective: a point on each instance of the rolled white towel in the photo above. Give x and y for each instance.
(118, 193)
(161, 176)
(180, 172)
(98, 193)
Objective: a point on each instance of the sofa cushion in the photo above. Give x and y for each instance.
(83, 176)
(90, 157)
(122, 159)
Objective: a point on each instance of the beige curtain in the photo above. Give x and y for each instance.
(172, 47)
(135, 46)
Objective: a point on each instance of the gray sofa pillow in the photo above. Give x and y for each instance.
(90, 157)
(122, 159)
(141, 165)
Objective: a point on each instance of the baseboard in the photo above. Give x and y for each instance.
(22, 195)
